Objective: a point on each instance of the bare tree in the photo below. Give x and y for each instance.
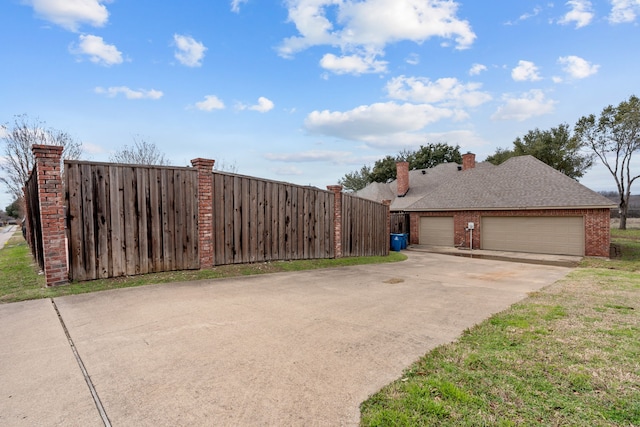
(223, 166)
(614, 137)
(18, 157)
(141, 153)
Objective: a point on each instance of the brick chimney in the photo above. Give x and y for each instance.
(402, 176)
(468, 161)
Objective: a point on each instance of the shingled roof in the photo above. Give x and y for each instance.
(522, 182)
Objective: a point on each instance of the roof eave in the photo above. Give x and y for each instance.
(508, 208)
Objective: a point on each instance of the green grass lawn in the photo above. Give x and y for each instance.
(19, 278)
(568, 355)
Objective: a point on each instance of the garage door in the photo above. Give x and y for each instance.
(544, 235)
(436, 231)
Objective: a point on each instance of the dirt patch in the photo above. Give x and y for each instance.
(393, 281)
(499, 275)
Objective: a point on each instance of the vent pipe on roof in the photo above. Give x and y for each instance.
(468, 161)
(402, 175)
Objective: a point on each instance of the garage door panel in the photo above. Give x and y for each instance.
(550, 235)
(436, 231)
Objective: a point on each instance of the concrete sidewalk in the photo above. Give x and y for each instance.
(5, 234)
(295, 349)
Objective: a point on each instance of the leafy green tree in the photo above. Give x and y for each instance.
(500, 156)
(13, 210)
(555, 147)
(356, 180)
(384, 170)
(614, 137)
(432, 155)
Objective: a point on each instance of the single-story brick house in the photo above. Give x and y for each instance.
(521, 205)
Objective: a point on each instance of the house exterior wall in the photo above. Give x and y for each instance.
(596, 222)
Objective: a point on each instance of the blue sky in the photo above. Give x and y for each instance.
(305, 91)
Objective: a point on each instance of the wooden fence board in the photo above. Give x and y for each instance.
(100, 217)
(123, 219)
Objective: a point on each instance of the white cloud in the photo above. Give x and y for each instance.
(98, 51)
(352, 64)
(624, 11)
(366, 27)
(530, 104)
(70, 14)
(581, 13)
(189, 51)
(477, 69)
(413, 59)
(210, 103)
(377, 122)
(464, 138)
(448, 91)
(577, 67)
(264, 105)
(235, 5)
(536, 11)
(310, 156)
(288, 171)
(91, 148)
(129, 93)
(526, 70)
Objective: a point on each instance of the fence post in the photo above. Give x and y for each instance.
(205, 210)
(337, 219)
(50, 188)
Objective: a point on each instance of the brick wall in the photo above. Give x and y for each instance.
(596, 222)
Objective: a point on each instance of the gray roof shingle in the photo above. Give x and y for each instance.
(522, 182)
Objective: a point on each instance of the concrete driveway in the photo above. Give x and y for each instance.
(294, 349)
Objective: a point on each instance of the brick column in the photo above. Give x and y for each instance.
(50, 188)
(205, 210)
(337, 219)
(387, 203)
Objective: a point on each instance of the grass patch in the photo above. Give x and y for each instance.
(627, 244)
(19, 278)
(567, 355)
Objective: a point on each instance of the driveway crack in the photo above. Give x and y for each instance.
(87, 378)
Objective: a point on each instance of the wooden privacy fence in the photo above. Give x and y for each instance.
(135, 219)
(362, 233)
(127, 220)
(399, 223)
(261, 220)
(32, 214)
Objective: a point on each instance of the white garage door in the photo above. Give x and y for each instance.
(436, 231)
(544, 235)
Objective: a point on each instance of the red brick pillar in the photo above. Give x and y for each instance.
(205, 210)
(50, 188)
(387, 203)
(337, 219)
